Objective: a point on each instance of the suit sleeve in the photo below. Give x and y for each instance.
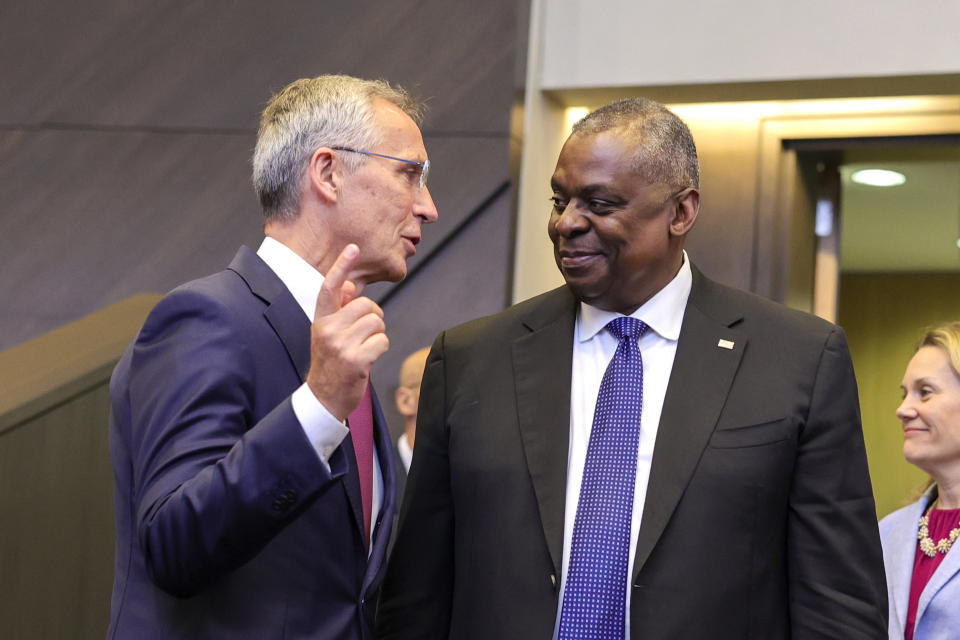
(416, 597)
(212, 484)
(836, 576)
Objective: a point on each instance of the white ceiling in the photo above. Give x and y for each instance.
(913, 227)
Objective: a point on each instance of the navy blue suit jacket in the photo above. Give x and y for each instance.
(228, 524)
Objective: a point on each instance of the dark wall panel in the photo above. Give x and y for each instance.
(464, 172)
(213, 64)
(56, 542)
(125, 148)
(464, 280)
(126, 130)
(92, 217)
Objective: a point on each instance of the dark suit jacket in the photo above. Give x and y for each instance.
(400, 475)
(401, 472)
(228, 525)
(759, 520)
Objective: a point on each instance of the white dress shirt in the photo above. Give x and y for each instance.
(593, 349)
(323, 430)
(405, 450)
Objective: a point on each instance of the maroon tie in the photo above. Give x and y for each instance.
(360, 422)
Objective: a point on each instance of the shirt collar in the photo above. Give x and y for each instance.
(663, 313)
(298, 275)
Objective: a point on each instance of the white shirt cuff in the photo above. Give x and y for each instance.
(323, 431)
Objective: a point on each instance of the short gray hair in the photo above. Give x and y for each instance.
(327, 111)
(665, 149)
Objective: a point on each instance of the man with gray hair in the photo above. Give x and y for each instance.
(253, 467)
(643, 453)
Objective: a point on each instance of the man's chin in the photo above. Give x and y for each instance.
(583, 291)
(387, 273)
(397, 274)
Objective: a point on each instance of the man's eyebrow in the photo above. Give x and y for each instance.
(592, 189)
(586, 191)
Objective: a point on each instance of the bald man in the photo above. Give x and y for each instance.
(407, 398)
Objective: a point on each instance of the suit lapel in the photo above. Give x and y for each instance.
(293, 329)
(903, 539)
(283, 313)
(351, 484)
(542, 358)
(699, 382)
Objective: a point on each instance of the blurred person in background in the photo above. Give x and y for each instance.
(923, 568)
(407, 398)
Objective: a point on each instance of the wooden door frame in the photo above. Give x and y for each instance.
(780, 269)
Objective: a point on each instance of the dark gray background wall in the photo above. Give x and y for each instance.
(126, 130)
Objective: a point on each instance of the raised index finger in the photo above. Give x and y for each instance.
(329, 299)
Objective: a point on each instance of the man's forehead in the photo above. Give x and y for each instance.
(399, 131)
(390, 115)
(592, 160)
(608, 148)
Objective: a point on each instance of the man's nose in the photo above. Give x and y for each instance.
(424, 208)
(570, 220)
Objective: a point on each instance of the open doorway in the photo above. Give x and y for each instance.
(895, 269)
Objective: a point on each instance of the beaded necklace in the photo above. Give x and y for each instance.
(927, 545)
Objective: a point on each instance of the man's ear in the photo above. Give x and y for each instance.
(325, 174)
(685, 212)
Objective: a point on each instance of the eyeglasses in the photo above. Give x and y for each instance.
(424, 166)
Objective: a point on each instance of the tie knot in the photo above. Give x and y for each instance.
(626, 326)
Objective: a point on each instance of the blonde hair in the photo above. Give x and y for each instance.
(947, 337)
(309, 113)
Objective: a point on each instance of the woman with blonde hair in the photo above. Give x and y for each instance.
(923, 568)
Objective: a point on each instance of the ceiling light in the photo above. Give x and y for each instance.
(878, 177)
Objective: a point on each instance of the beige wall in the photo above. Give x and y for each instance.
(606, 43)
(586, 54)
(884, 315)
(754, 232)
(751, 232)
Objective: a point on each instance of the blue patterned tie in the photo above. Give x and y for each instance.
(595, 592)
